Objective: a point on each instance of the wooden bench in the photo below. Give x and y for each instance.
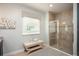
(33, 45)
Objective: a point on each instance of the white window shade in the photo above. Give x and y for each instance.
(31, 26)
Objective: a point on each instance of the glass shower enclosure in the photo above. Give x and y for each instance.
(61, 36)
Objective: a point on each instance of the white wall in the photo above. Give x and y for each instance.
(13, 38)
(47, 28)
(75, 28)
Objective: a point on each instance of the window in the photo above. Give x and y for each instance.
(31, 26)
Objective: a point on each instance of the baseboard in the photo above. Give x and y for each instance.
(13, 52)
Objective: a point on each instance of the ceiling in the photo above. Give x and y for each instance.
(57, 7)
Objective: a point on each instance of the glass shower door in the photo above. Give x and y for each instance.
(53, 33)
(61, 36)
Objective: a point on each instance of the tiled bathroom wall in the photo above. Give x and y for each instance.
(52, 33)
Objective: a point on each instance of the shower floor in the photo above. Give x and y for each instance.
(63, 49)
